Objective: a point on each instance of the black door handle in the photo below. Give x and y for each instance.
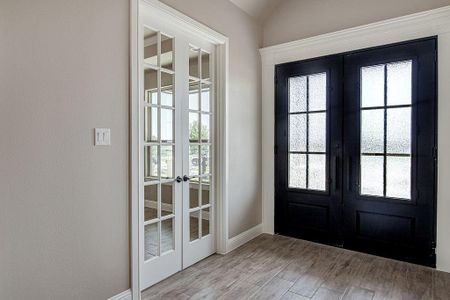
(186, 178)
(179, 179)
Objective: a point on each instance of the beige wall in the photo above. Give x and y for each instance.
(297, 19)
(63, 202)
(244, 191)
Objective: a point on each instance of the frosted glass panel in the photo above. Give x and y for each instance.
(372, 175)
(398, 177)
(317, 92)
(317, 172)
(372, 86)
(166, 125)
(372, 131)
(399, 130)
(297, 171)
(297, 94)
(317, 132)
(297, 132)
(399, 81)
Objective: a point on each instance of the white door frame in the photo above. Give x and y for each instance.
(192, 27)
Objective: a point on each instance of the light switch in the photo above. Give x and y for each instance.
(102, 136)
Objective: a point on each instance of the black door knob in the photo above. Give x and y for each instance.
(179, 179)
(186, 178)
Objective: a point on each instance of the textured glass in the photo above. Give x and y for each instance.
(167, 240)
(317, 132)
(205, 129)
(166, 125)
(372, 131)
(399, 130)
(399, 83)
(151, 47)
(205, 221)
(193, 63)
(398, 177)
(167, 161)
(206, 92)
(150, 202)
(372, 86)
(297, 171)
(204, 159)
(151, 240)
(372, 175)
(193, 225)
(194, 127)
(205, 65)
(297, 94)
(194, 93)
(166, 52)
(151, 124)
(297, 132)
(151, 166)
(166, 89)
(151, 86)
(193, 195)
(194, 160)
(205, 191)
(166, 199)
(317, 92)
(317, 172)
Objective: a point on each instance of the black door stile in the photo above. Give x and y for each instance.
(343, 215)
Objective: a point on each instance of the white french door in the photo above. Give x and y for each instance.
(176, 148)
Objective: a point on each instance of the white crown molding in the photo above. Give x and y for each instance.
(436, 21)
(188, 24)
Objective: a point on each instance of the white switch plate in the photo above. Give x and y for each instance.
(102, 136)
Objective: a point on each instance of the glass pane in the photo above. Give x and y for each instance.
(297, 171)
(151, 124)
(398, 177)
(151, 166)
(194, 160)
(372, 175)
(399, 83)
(372, 86)
(151, 240)
(317, 132)
(205, 65)
(166, 52)
(150, 202)
(399, 130)
(206, 91)
(166, 199)
(194, 129)
(297, 132)
(151, 86)
(167, 240)
(150, 46)
(205, 221)
(317, 172)
(205, 191)
(193, 63)
(297, 94)
(166, 125)
(167, 161)
(193, 225)
(194, 92)
(193, 195)
(167, 89)
(205, 128)
(372, 131)
(205, 159)
(317, 92)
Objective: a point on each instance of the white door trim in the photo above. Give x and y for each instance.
(424, 24)
(192, 27)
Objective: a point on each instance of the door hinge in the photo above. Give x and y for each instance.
(275, 149)
(435, 153)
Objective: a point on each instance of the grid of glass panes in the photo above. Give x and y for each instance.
(158, 143)
(386, 98)
(307, 132)
(200, 144)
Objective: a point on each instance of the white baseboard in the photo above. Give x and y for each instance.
(246, 236)
(126, 295)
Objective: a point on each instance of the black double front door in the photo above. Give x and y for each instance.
(355, 150)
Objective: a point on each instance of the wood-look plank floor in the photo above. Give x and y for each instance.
(277, 267)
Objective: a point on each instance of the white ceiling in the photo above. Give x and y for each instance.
(259, 9)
